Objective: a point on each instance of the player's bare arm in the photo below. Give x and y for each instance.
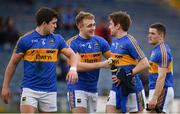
(142, 64)
(15, 59)
(159, 87)
(82, 66)
(72, 76)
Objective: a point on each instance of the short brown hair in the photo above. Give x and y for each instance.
(83, 15)
(45, 14)
(160, 28)
(121, 18)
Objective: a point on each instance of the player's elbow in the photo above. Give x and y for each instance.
(145, 62)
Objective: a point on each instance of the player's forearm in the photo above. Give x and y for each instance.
(142, 64)
(11, 67)
(159, 86)
(88, 66)
(9, 74)
(73, 60)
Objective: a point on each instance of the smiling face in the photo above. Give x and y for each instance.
(153, 36)
(87, 27)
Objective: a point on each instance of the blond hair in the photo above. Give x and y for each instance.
(83, 15)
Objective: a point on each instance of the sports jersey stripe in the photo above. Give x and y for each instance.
(123, 59)
(165, 51)
(141, 54)
(72, 102)
(107, 53)
(62, 50)
(27, 33)
(153, 68)
(21, 53)
(91, 54)
(133, 41)
(91, 57)
(41, 55)
(140, 101)
(71, 39)
(164, 55)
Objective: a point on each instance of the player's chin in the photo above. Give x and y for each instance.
(52, 31)
(91, 35)
(150, 42)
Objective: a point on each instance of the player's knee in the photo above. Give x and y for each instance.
(111, 109)
(79, 110)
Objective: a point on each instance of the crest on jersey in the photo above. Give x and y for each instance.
(51, 42)
(120, 46)
(96, 45)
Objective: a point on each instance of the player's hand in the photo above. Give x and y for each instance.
(104, 64)
(152, 103)
(110, 61)
(5, 94)
(115, 80)
(72, 77)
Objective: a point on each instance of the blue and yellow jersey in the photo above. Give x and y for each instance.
(90, 51)
(161, 57)
(40, 56)
(126, 52)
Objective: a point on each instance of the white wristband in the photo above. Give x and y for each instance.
(73, 69)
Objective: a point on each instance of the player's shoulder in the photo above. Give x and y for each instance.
(157, 50)
(27, 34)
(164, 47)
(57, 36)
(131, 40)
(71, 39)
(98, 37)
(130, 37)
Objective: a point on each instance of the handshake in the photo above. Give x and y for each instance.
(119, 72)
(128, 81)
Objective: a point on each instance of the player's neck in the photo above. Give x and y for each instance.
(158, 43)
(121, 34)
(40, 30)
(84, 36)
(161, 40)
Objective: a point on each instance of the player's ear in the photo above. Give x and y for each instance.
(44, 23)
(118, 26)
(80, 25)
(162, 35)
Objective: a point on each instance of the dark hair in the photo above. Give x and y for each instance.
(45, 14)
(121, 18)
(160, 28)
(83, 15)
